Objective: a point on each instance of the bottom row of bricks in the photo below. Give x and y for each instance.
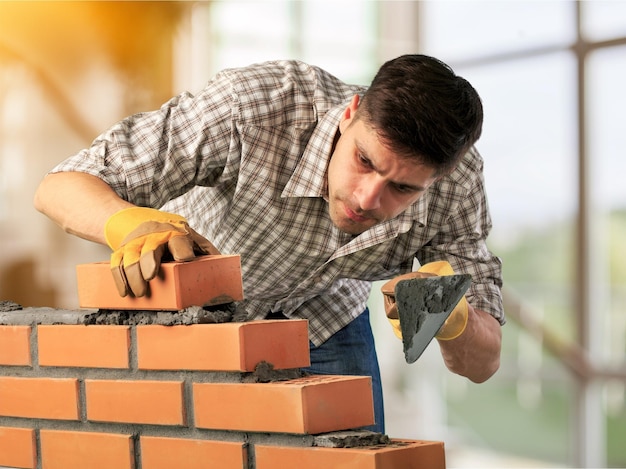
(79, 450)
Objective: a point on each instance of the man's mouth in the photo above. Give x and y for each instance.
(355, 217)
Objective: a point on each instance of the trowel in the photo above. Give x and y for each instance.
(423, 305)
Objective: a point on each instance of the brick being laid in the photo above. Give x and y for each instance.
(310, 405)
(207, 280)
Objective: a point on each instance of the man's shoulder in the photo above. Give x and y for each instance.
(277, 71)
(464, 177)
(286, 84)
(472, 160)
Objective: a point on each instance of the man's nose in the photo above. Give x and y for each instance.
(368, 193)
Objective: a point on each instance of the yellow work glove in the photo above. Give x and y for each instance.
(456, 322)
(139, 238)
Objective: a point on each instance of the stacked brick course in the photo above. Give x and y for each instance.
(150, 396)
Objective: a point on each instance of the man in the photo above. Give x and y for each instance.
(320, 186)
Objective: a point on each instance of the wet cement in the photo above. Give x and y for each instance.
(264, 372)
(351, 439)
(230, 312)
(13, 313)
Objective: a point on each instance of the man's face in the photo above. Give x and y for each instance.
(368, 183)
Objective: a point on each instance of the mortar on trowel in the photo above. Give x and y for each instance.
(422, 305)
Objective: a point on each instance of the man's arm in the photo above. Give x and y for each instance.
(475, 354)
(86, 206)
(79, 203)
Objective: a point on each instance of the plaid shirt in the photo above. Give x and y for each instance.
(245, 162)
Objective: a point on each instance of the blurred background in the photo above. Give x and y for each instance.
(551, 75)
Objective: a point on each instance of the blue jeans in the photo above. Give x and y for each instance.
(351, 351)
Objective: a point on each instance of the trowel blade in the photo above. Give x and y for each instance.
(424, 304)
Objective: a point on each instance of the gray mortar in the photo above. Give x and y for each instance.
(341, 439)
(14, 314)
(9, 306)
(350, 439)
(264, 372)
(424, 304)
(231, 312)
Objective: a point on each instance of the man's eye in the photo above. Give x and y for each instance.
(404, 189)
(363, 160)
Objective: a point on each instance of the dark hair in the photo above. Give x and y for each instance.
(421, 109)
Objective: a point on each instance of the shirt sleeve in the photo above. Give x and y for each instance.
(150, 158)
(462, 237)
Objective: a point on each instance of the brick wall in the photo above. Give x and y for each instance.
(90, 390)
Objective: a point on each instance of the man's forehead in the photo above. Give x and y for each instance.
(381, 156)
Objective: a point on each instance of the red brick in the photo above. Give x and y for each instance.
(168, 453)
(84, 346)
(81, 450)
(405, 454)
(15, 345)
(224, 347)
(46, 398)
(315, 404)
(148, 402)
(17, 448)
(208, 280)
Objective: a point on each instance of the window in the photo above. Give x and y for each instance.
(338, 36)
(553, 171)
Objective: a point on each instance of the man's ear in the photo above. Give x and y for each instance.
(349, 112)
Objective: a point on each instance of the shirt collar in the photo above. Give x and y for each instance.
(417, 211)
(309, 176)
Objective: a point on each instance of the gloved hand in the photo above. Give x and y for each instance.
(139, 237)
(456, 322)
